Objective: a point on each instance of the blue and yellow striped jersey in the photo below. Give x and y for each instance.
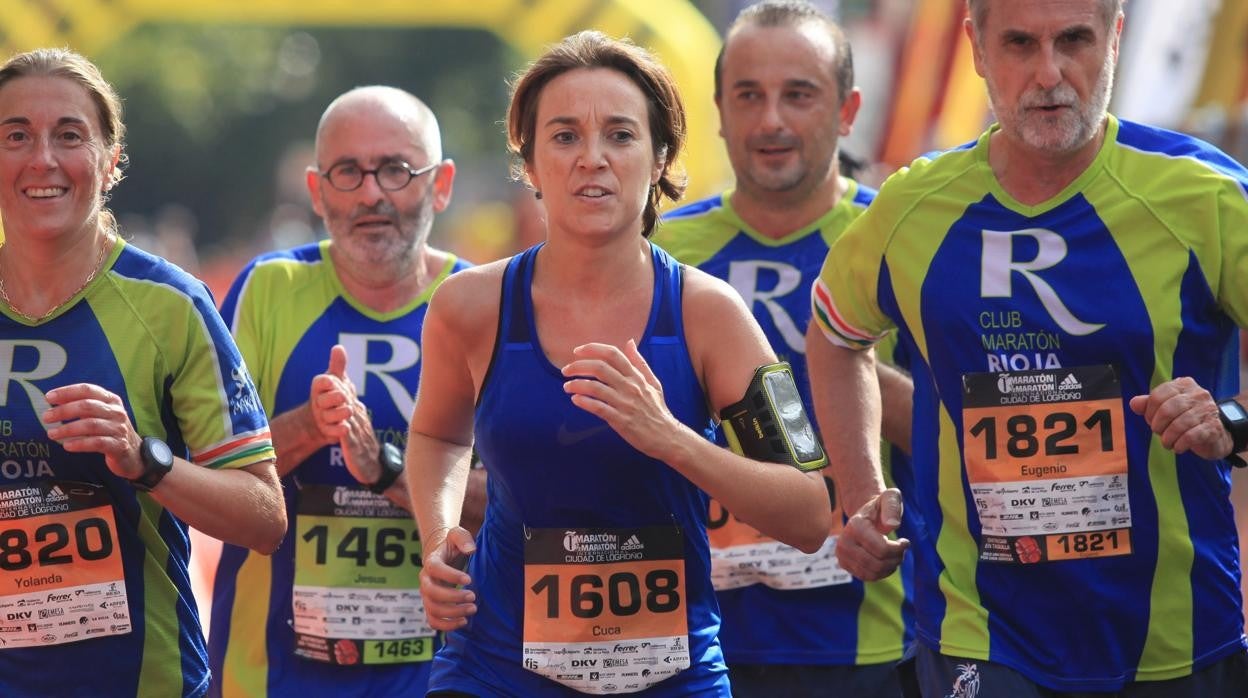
(286, 310)
(847, 621)
(94, 572)
(1062, 539)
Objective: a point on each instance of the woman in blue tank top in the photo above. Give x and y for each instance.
(586, 370)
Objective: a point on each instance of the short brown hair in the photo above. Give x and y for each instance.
(592, 49)
(788, 13)
(64, 63)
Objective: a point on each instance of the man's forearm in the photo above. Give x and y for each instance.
(295, 438)
(897, 400)
(846, 392)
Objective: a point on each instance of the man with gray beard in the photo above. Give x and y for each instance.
(1069, 288)
(332, 331)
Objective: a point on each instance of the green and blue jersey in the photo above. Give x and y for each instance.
(838, 620)
(1062, 539)
(94, 572)
(286, 310)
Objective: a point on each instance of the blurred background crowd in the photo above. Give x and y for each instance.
(222, 96)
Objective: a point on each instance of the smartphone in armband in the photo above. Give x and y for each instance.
(770, 423)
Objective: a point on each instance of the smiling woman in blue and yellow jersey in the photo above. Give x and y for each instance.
(1062, 540)
(822, 616)
(181, 379)
(126, 413)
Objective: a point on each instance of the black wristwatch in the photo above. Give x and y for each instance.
(390, 458)
(157, 462)
(1235, 418)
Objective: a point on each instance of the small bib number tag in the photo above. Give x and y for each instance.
(356, 598)
(741, 555)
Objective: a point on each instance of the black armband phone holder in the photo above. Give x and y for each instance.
(770, 423)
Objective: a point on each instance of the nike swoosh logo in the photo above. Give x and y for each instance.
(568, 437)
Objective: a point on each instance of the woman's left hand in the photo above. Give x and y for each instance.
(94, 420)
(618, 386)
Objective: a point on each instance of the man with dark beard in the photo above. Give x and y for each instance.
(1068, 289)
(331, 330)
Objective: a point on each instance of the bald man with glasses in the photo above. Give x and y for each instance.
(332, 331)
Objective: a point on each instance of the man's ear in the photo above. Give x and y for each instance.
(849, 111)
(314, 181)
(443, 184)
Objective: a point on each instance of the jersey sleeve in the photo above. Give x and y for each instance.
(213, 396)
(845, 297)
(240, 316)
(1233, 282)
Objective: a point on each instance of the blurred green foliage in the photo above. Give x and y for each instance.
(212, 110)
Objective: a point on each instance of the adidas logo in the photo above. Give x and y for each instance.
(632, 543)
(1070, 383)
(55, 495)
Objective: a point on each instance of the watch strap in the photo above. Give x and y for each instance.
(1237, 428)
(390, 458)
(157, 462)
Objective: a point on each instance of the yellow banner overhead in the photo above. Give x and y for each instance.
(673, 29)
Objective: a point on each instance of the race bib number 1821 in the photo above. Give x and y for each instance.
(1046, 458)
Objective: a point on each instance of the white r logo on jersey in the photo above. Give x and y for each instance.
(997, 267)
(404, 353)
(743, 276)
(51, 361)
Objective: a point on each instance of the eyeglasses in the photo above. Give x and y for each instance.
(391, 176)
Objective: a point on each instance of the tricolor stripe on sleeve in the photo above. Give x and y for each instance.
(238, 451)
(833, 324)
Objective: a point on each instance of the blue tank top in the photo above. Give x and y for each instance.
(553, 465)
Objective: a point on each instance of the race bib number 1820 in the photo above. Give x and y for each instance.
(61, 565)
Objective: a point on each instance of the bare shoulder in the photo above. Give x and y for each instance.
(466, 304)
(709, 296)
(725, 342)
(469, 297)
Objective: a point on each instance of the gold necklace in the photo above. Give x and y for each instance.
(99, 263)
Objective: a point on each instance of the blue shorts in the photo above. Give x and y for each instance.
(890, 680)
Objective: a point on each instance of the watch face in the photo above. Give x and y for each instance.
(392, 456)
(160, 451)
(1233, 411)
